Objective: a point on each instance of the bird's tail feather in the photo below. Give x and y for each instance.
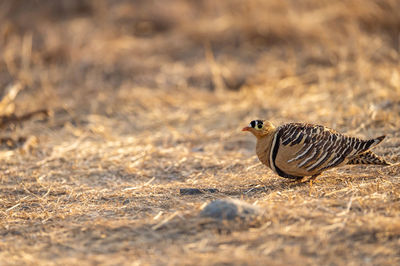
(368, 157)
(378, 140)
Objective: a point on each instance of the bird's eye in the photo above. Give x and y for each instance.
(259, 126)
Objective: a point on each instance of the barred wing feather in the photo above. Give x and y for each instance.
(320, 148)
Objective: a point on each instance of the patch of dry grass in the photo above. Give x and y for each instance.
(148, 97)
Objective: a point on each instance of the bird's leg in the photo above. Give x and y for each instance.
(297, 180)
(312, 178)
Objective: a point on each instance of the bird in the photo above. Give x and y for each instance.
(297, 150)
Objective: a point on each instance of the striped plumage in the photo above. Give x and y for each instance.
(296, 150)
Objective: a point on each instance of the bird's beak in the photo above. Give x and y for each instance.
(246, 129)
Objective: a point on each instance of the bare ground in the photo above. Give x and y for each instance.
(142, 98)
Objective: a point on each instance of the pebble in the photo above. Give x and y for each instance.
(230, 209)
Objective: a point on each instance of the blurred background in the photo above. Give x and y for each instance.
(321, 61)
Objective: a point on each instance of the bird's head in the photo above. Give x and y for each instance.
(259, 128)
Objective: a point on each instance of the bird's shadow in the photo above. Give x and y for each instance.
(251, 189)
(270, 188)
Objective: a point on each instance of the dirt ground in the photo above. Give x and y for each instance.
(138, 99)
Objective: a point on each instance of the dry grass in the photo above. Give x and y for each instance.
(147, 97)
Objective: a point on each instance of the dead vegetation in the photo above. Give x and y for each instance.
(142, 98)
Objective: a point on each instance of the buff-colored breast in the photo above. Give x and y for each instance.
(263, 148)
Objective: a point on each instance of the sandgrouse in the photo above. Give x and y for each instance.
(296, 150)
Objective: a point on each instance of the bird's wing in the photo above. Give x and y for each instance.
(368, 157)
(315, 148)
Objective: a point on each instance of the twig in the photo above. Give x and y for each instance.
(11, 93)
(47, 193)
(158, 215)
(215, 69)
(165, 221)
(19, 203)
(13, 207)
(252, 166)
(347, 208)
(145, 184)
(5, 120)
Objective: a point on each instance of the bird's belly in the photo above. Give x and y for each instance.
(285, 163)
(293, 169)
